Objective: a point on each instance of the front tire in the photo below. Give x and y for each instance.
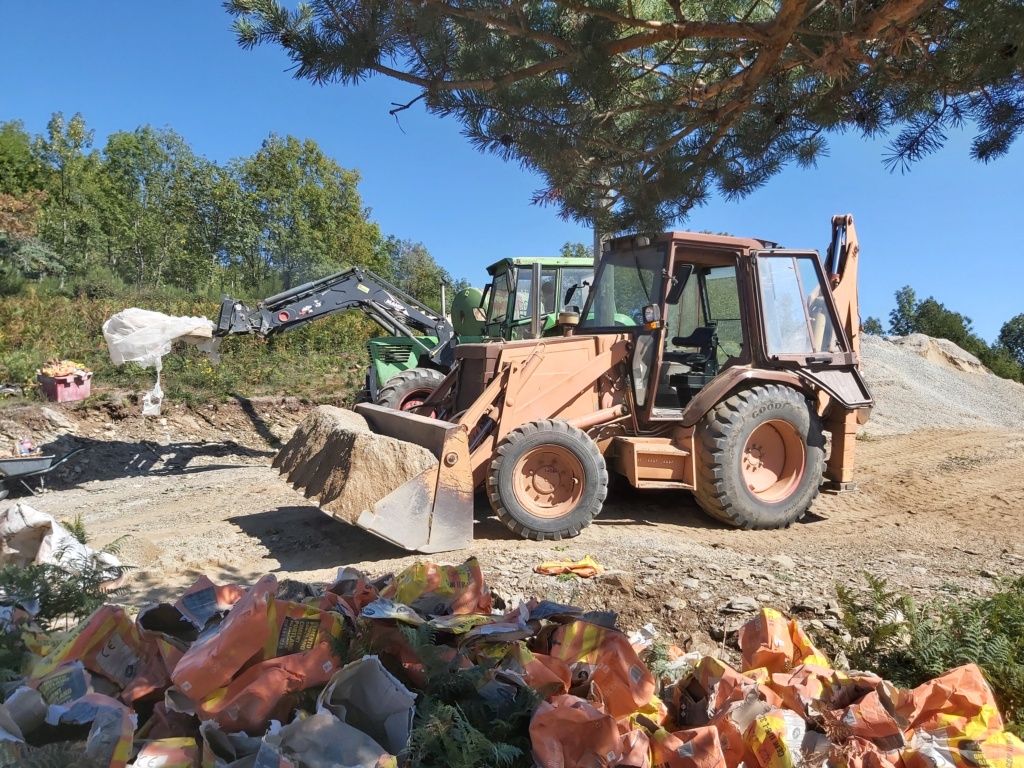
(761, 458)
(548, 480)
(409, 389)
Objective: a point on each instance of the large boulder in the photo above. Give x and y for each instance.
(336, 459)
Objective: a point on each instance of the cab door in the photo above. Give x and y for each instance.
(800, 328)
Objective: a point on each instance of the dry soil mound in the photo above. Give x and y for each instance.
(924, 383)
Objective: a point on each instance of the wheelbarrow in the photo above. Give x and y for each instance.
(19, 469)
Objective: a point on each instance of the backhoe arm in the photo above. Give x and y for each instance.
(395, 311)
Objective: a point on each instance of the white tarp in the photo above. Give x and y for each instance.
(28, 536)
(144, 337)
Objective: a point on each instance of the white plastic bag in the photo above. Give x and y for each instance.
(144, 337)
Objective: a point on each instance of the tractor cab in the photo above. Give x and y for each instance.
(699, 305)
(554, 284)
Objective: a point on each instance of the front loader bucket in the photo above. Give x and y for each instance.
(432, 512)
(403, 477)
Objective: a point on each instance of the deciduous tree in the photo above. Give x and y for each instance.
(1011, 336)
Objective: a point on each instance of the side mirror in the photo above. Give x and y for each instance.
(568, 294)
(478, 314)
(679, 279)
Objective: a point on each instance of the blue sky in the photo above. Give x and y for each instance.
(947, 227)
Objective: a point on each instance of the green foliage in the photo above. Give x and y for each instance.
(1011, 337)
(637, 112)
(60, 595)
(576, 251)
(323, 361)
(464, 718)
(873, 327)
(416, 272)
(147, 214)
(910, 644)
(18, 168)
(308, 216)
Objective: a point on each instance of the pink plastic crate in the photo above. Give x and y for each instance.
(66, 389)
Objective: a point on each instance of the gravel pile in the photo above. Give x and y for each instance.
(918, 384)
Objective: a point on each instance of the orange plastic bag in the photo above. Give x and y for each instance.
(108, 645)
(955, 723)
(959, 700)
(299, 653)
(204, 600)
(711, 688)
(568, 732)
(585, 568)
(873, 719)
(605, 657)
(776, 738)
(635, 746)
(438, 590)
(939, 750)
(222, 651)
(692, 748)
(769, 640)
(349, 594)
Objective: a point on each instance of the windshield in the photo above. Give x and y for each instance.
(626, 282)
(499, 300)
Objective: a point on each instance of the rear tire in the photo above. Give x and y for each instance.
(409, 389)
(548, 480)
(761, 456)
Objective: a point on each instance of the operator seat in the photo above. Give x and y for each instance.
(705, 339)
(703, 364)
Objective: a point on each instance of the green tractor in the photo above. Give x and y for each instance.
(410, 362)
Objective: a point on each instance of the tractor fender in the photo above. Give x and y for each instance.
(732, 379)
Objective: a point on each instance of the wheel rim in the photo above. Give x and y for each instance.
(774, 458)
(414, 399)
(548, 481)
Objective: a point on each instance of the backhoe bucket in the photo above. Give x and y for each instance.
(432, 512)
(403, 477)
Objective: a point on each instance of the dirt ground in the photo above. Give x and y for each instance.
(938, 513)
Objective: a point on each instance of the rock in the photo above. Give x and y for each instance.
(740, 604)
(675, 604)
(650, 562)
(740, 574)
(818, 605)
(989, 574)
(784, 561)
(704, 596)
(700, 643)
(335, 458)
(764, 599)
(58, 419)
(643, 590)
(689, 583)
(621, 580)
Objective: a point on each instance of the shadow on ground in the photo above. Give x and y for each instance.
(112, 459)
(146, 587)
(302, 538)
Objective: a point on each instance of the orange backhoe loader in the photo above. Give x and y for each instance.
(702, 363)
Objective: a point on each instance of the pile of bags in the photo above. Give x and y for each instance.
(289, 675)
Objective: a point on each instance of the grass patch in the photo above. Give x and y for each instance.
(323, 360)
